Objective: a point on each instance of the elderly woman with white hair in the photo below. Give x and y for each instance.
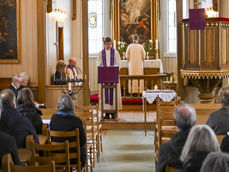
(219, 119)
(66, 120)
(200, 142)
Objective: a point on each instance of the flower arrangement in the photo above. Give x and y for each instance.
(148, 46)
(122, 46)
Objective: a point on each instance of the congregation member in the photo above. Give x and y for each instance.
(59, 77)
(106, 58)
(169, 153)
(135, 54)
(66, 120)
(26, 107)
(12, 122)
(24, 80)
(15, 85)
(200, 142)
(219, 119)
(225, 144)
(216, 162)
(71, 70)
(8, 144)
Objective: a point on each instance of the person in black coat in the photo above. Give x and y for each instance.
(59, 77)
(200, 142)
(65, 120)
(26, 107)
(169, 153)
(15, 85)
(13, 123)
(8, 144)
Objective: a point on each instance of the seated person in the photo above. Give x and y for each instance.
(71, 69)
(169, 153)
(216, 162)
(7, 144)
(59, 77)
(200, 142)
(12, 123)
(26, 107)
(65, 120)
(25, 79)
(15, 85)
(219, 119)
(225, 144)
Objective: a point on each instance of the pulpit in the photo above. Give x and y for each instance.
(108, 77)
(205, 55)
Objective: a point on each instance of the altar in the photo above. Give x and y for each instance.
(150, 67)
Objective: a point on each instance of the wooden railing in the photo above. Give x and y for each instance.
(149, 82)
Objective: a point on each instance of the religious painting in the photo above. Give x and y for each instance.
(135, 18)
(9, 31)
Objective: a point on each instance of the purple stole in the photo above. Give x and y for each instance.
(72, 69)
(108, 98)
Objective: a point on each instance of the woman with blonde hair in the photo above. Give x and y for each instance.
(60, 77)
(219, 119)
(201, 141)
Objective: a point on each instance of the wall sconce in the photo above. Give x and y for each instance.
(60, 15)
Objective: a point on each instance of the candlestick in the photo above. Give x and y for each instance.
(156, 44)
(114, 44)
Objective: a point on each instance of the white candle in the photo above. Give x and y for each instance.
(70, 86)
(155, 88)
(156, 44)
(114, 44)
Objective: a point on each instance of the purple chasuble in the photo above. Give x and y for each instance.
(108, 97)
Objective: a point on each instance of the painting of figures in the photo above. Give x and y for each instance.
(135, 18)
(9, 31)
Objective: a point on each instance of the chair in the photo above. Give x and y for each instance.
(6, 160)
(87, 117)
(170, 169)
(72, 145)
(220, 138)
(98, 126)
(43, 168)
(59, 153)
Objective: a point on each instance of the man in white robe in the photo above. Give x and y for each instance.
(105, 58)
(135, 54)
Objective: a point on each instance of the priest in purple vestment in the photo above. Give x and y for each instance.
(109, 57)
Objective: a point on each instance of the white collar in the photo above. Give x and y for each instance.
(14, 86)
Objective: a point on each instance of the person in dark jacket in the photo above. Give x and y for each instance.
(15, 85)
(219, 119)
(225, 144)
(201, 141)
(13, 123)
(65, 120)
(169, 153)
(8, 144)
(26, 107)
(59, 77)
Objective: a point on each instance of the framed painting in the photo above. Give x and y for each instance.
(135, 17)
(10, 31)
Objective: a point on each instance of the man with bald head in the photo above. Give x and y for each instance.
(71, 69)
(169, 153)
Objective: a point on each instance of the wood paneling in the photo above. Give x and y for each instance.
(28, 44)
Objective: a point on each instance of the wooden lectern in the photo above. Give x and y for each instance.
(108, 77)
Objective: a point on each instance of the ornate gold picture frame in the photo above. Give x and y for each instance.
(135, 17)
(10, 36)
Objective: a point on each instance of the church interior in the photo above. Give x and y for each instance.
(140, 82)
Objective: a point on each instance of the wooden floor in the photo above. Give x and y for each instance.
(131, 120)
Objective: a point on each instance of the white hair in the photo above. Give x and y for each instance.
(200, 138)
(24, 76)
(16, 78)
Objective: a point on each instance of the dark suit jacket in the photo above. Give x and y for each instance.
(8, 145)
(14, 90)
(17, 126)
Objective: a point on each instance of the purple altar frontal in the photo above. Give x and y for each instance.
(108, 74)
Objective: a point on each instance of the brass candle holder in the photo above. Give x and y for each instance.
(156, 53)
